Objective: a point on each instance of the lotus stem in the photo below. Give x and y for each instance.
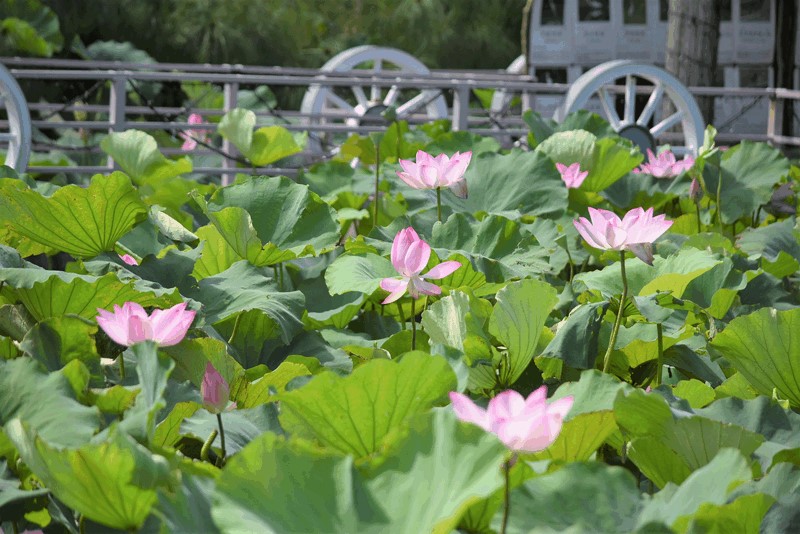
(207, 446)
(699, 226)
(719, 200)
(221, 460)
(506, 494)
(439, 203)
(660, 361)
(413, 324)
(377, 183)
(121, 367)
(618, 320)
(235, 328)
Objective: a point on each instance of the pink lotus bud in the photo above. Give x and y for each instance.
(215, 390)
(695, 191)
(572, 175)
(127, 258)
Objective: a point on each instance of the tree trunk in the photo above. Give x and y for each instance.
(692, 42)
(786, 26)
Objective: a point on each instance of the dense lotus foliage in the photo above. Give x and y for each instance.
(342, 352)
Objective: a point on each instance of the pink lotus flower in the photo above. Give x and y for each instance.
(130, 324)
(572, 175)
(635, 232)
(190, 136)
(215, 390)
(434, 172)
(127, 258)
(664, 165)
(524, 425)
(410, 255)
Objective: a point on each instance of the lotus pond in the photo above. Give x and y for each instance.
(425, 334)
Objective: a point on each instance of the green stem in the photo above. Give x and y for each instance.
(221, 461)
(439, 203)
(506, 495)
(235, 328)
(571, 266)
(14, 527)
(660, 361)
(82, 524)
(699, 226)
(618, 320)
(377, 183)
(121, 367)
(719, 200)
(207, 446)
(413, 325)
(402, 316)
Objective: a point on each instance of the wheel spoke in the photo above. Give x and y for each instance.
(630, 99)
(361, 97)
(412, 105)
(339, 102)
(391, 96)
(608, 107)
(8, 137)
(652, 104)
(666, 124)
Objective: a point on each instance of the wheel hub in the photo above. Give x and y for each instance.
(371, 115)
(639, 136)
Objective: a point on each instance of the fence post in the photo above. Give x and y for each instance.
(775, 120)
(230, 93)
(116, 109)
(461, 108)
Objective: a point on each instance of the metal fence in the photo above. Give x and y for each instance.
(115, 81)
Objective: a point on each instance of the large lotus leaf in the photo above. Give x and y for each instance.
(55, 293)
(244, 287)
(250, 394)
(56, 341)
(241, 426)
(667, 444)
(262, 147)
(780, 427)
(45, 403)
(137, 154)
(749, 171)
(457, 320)
(716, 289)
(284, 215)
(445, 464)
(607, 160)
(80, 221)
(512, 185)
(217, 255)
(560, 501)
(711, 483)
(192, 355)
(112, 483)
(30, 28)
(325, 310)
(360, 273)
(777, 244)
(673, 273)
(578, 336)
(764, 347)
(188, 507)
(353, 414)
(519, 315)
(498, 247)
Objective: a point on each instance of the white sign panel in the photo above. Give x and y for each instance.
(634, 40)
(755, 37)
(595, 33)
(552, 33)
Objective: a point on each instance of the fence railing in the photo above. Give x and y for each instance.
(118, 113)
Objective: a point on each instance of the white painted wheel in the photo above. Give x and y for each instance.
(364, 104)
(16, 138)
(645, 128)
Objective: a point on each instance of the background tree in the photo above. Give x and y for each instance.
(692, 44)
